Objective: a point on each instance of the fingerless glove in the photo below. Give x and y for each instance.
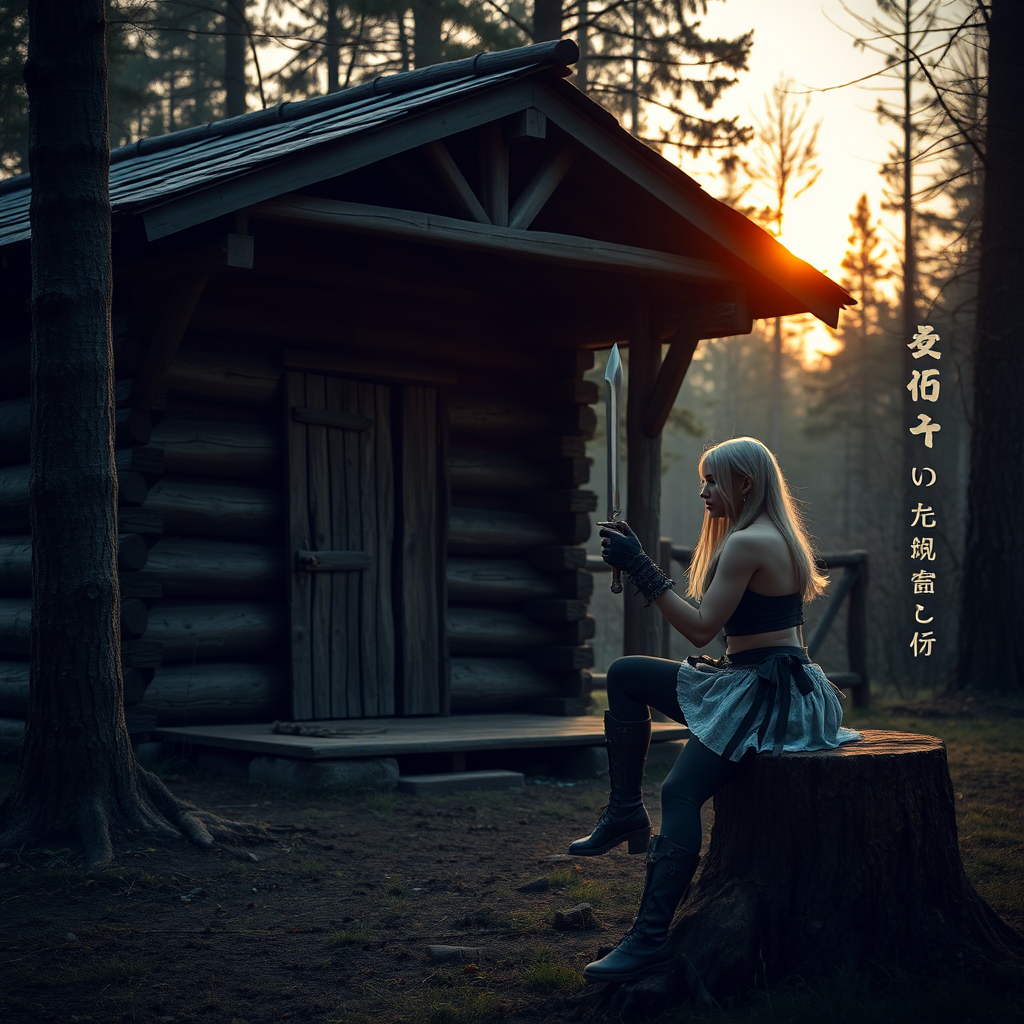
(646, 576)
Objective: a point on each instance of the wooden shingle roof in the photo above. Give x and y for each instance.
(193, 176)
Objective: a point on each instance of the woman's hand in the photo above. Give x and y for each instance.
(619, 545)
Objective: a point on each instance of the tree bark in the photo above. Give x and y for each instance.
(994, 555)
(235, 44)
(77, 777)
(426, 38)
(547, 20)
(842, 858)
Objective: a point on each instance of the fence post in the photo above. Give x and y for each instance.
(665, 561)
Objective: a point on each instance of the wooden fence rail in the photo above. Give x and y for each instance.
(851, 587)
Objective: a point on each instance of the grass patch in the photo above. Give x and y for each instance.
(530, 922)
(453, 997)
(559, 812)
(308, 867)
(394, 910)
(382, 805)
(100, 973)
(545, 977)
(581, 889)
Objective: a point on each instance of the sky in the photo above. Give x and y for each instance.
(812, 42)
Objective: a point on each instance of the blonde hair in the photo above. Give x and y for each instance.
(736, 458)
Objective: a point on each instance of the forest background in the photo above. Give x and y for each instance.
(833, 405)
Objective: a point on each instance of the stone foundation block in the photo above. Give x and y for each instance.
(290, 773)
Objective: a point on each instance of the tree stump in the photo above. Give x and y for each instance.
(832, 860)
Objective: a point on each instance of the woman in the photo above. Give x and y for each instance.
(751, 572)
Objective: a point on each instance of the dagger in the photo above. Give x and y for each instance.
(613, 387)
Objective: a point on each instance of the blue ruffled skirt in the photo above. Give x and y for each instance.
(769, 700)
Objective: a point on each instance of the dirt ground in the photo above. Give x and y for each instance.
(341, 918)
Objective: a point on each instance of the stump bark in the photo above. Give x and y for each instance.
(833, 860)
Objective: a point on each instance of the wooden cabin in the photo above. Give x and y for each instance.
(351, 335)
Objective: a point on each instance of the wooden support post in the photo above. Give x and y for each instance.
(665, 561)
(669, 379)
(494, 154)
(642, 627)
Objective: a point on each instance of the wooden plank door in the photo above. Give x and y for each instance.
(341, 534)
(364, 530)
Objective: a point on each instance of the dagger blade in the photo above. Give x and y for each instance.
(613, 388)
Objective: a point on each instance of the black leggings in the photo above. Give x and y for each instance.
(637, 683)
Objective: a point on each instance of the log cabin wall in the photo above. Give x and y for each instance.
(219, 564)
(203, 567)
(517, 587)
(139, 465)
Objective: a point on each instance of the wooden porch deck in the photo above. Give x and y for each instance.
(393, 737)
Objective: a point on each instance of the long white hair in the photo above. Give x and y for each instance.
(734, 459)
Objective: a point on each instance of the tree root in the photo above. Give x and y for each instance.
(136, 806)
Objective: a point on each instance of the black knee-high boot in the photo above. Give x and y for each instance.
(625, 819)
(645, 948)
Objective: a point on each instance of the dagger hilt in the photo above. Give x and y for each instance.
(616, 587)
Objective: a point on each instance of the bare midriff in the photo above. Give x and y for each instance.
(791, 637)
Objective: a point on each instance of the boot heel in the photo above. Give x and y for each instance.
(639, 841)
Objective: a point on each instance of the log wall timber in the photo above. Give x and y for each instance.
(16, 560)
(245, 380)
(511, 581)
(491, 631)
(199, 568)
(16, 620)
(421, 536)
(132, 427)
(201, 508)
(504, 418)
(14, 497)
(517, 621)
(225, 450)
(14, 676)
(196, 631)
(474, 531)
(496, 684)
(207, 694)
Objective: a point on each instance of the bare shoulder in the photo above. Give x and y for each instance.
(758, 538)
(761, 546)
(746, 547)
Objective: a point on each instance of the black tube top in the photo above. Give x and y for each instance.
(762, 613)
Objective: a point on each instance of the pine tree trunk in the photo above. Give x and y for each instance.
(994, 556)
(426, 37)
(235, 45)
(547, 20)
(826, 861)
(78, 776)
